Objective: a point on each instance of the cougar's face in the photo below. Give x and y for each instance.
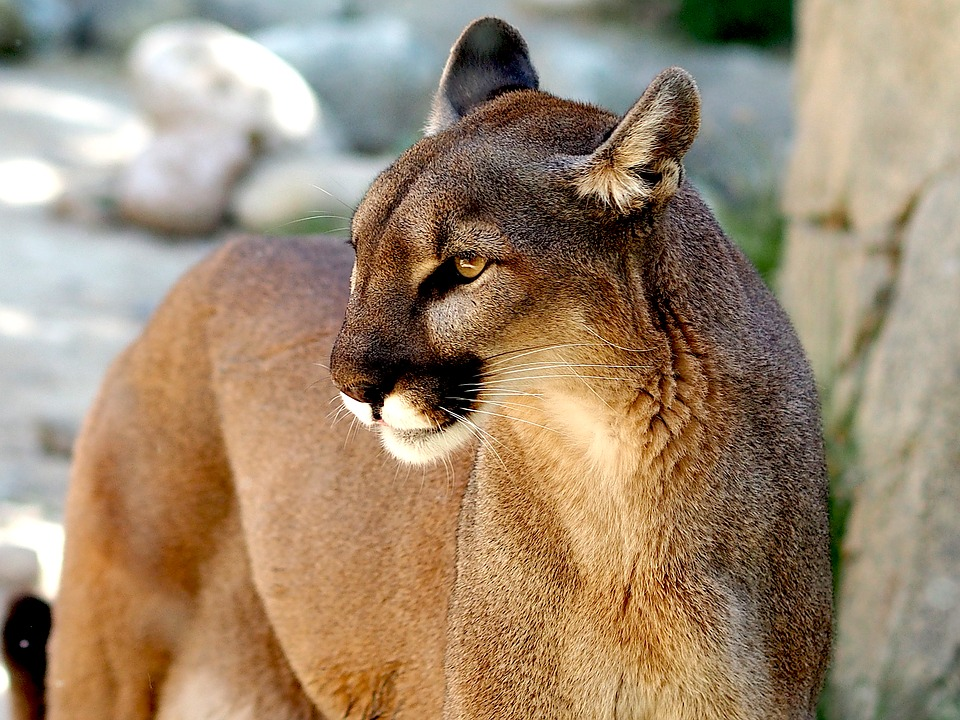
(476, 260)
(429, 297)
(440, 290)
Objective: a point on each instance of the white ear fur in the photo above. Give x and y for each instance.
(639, 163)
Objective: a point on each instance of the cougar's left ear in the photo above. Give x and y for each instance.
(488, 59)
(639, 164)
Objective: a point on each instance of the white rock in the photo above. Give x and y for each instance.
(200, 72)
(182, 181)
(281, 191)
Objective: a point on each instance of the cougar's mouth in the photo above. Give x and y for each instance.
(424, 445)
(408, 433)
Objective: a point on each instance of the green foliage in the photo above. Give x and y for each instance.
(757, 228)
(14, 37)
(759, 22)
(841, 451)
(841, 456)
(760, 236)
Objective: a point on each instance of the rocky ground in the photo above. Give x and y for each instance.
(76, 284)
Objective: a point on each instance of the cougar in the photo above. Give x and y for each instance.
(577, 471)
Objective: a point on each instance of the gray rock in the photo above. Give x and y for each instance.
(872, 278)
(746, 126)
(116, 24)
(57, 435)
(249, 15)
(877, 91)
(373, 74)
(898, 649)
(835, 290)
(199, 72)
(584, 66)
(292, 192)
(48, 22)
(182, 182)
(566, 6)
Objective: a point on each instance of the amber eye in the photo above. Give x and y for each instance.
(469, 267)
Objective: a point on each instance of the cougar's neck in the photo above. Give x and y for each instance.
(622, 470)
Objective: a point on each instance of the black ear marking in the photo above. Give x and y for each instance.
(489, 59)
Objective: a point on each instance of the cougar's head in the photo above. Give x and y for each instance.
(497, 255)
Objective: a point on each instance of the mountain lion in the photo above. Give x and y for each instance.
(602, 493)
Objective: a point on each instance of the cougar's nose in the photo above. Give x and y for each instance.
(360, 369)
(363, 392)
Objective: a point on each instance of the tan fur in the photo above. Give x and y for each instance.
(621, 513)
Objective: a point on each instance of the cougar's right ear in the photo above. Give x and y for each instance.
(640, 163)
(488, 59)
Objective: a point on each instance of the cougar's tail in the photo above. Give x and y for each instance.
(25, 634)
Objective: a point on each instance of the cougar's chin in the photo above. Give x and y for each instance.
(407, 433)
(420, 446)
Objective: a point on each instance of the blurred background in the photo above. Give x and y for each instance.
(135, 136)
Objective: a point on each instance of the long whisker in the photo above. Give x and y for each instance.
(307, 218)
(448, 471)
(602, 339)
(336, 415)
(464, 419)
(508, 355)
(331, 195)
(350, 432)
(318, 216)
(498, 403)
(523, 367)
(472, 386)
(476, 430)
(489, 391)
(512, 417)
(314, 384)
(588, 387)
